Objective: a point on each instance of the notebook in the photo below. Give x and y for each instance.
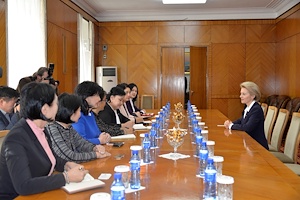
(86, 184)
(126, 136)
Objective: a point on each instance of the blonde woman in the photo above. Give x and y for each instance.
(252, 120)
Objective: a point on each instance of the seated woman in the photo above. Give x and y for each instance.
(111, 114)
(91, 94)
(27, 162)
(112, 129)
(66, 142)
(133, 110)
(124, 109)
(252, 120)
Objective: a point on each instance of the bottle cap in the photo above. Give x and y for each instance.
(136, 147)
(201, 123)
(198, 118)
(122, 168)
(218, 158)
(225, 179)
(210, 142)
(100, 195)
(117, 175)
(210, 161)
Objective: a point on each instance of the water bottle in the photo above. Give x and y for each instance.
(117, 188)
(203, 159)
(209, 181)
(146, 149)
(198, 145)
(153, 142)
(135, 181)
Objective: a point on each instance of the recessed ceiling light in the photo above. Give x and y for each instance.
(183, 1)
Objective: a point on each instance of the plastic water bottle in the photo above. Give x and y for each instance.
(198, 145)
(209, 181)
(153, 142)
(117, 188)
(203, 159)
(135, 182)
(146, 149)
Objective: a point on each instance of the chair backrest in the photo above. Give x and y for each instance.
(292, 138)
(270, 121)
(264, 107)
(279, 127)
(3, 133)
(147, 101)
(271, 100)
(293, 105)
(282, 100)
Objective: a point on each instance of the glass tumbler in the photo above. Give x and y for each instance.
(225, 187)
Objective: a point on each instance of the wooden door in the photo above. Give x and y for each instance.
(172, 75)
(198, 74)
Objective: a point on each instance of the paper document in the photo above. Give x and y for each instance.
(139, 127)
(126, 136)
(86, 184)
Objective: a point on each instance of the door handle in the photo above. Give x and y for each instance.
(191, 92)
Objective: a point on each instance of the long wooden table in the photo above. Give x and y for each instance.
(257, 173)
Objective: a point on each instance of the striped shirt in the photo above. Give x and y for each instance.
(69, 145)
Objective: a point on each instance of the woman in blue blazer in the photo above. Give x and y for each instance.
(252, 120)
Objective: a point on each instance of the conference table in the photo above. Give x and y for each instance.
(257, 173)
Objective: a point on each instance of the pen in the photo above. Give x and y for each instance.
(220, 125)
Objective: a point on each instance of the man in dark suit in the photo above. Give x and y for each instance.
(8, 99)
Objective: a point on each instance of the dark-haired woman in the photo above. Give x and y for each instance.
(133, 110)
(66, 142)
(124, 110)
(111, 114)
(112, 129)
(27, 162)
(91, 95)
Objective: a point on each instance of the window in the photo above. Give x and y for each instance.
(26, 38)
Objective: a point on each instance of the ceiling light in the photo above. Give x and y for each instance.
(183, 1)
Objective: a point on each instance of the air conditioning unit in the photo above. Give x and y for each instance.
(107, 77)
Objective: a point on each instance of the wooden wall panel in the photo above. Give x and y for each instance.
(228, 33)
(3, 80)
(113, 35)
(142, 68)
(62, 49)
(70, 19)
(55, 48)
(55, 12)
(260, 64)
(287, 55)
(196, 34)
(228, 68)
(171, 34)
(287, 66)
(116, 55)
(260, 33)
(288, 27)
(142, 35)
(232, 108)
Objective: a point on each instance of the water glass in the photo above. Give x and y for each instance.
(225, 187)
(211, 148)
(218, 162)
(124, 170)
